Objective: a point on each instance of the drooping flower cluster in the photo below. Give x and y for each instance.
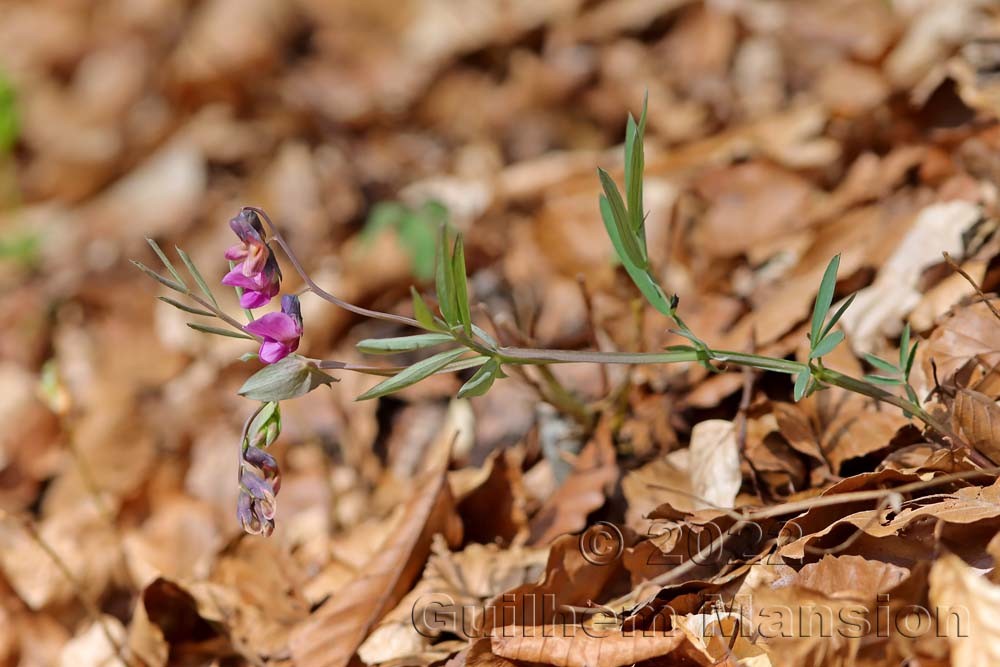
(259, 276)
(257, 273)
(260, 479)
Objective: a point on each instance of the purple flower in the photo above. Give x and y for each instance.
(252, 251)
(256, 504)
(258, 287)
(280, 331)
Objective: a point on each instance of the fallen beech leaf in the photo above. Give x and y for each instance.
(330, 637)
(974, 603)
(449, 597)
(715, 463)
(91, 647)
(664, 480)
(879, 309)
(971, 331)
(847, 576)
(572, 646)
(979, 418)
(592, 476)
(968, 505)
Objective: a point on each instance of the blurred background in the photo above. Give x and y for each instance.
(779, 133)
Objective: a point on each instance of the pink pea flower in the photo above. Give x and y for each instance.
(252, 250)
(258, 287)
(280, 331)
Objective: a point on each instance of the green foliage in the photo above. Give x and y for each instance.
(893, 374)
(625, 225)
(10, 125)
(402, 343)
(482, 380)
(450, 280)
(413, 374)
(291, 377)
(196, 274)
(422, 312)
(229, 333)
(416, 228)
(24, 249)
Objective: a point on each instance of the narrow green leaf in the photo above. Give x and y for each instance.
(289, 378)
(881, 364)
(196, 274)
(186, 308)
(827, 344)
(481, 381)
(882, 379)
(445, 281)
(413, 374)
(911, 394)
(158, 278)
(422, 312)
(823, 300)
(463, 364)
(909, 359)
(634, 167)
(402, 343)
(904, 345)
(461, 285)
(217, 331)
(801, 384)
(836, 316)
(166, 262)
(619, 215)
(485, 337)
(640, 277)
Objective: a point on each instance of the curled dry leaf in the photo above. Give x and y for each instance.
(978, 416)
(573, 646)
(970, 332)
(970, 607)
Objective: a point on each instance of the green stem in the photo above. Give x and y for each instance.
(562, 398)
(529, 356)
(519, 355)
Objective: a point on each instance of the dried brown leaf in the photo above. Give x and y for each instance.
(979, 418)
(330, 637)
(970, 605)
(573, 646)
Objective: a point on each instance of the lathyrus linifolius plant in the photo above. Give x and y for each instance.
(256, 275)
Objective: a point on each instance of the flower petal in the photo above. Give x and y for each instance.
(253, 299)
(236, 253)
(276, 326)
(235, 278)
(272, 351)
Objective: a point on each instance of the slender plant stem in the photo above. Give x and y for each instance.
(564, 399)
(316, 289)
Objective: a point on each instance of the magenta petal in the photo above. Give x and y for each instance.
(236, 253)
(253, 299)
(276, 326)
(235, 278)
(272, 351)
